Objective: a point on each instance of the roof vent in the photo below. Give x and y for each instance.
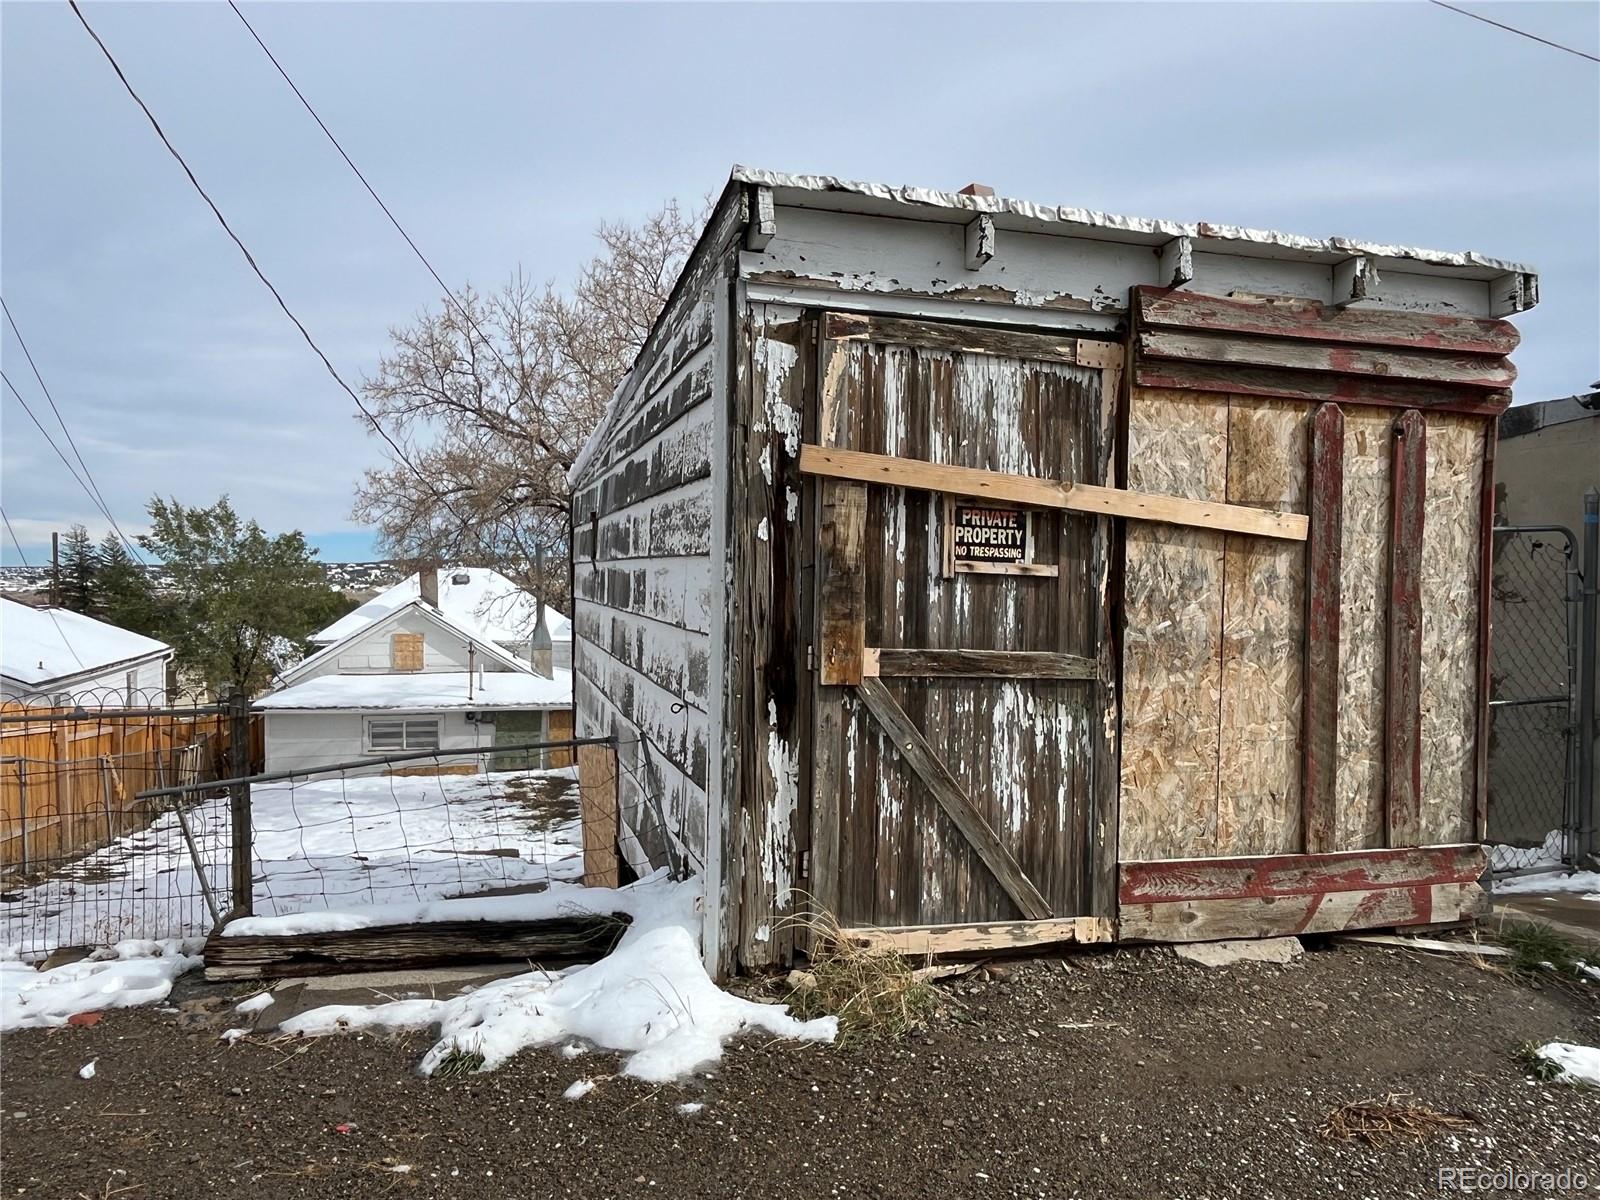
(976, 189)
(461, 579)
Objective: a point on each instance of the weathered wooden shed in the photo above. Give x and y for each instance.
(991, 573)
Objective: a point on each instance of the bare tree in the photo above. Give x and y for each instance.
(491, 398)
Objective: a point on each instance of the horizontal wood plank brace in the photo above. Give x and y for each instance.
(1311, 321)
(978, 664)
(1283, 916)
(920, 941)
(1315, 387)
(1460, 370)
(1047, 493)
(1282, 875)
(970, 339)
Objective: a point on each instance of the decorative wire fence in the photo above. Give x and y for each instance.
(1532, 714)
(84, 857)
(401, 829)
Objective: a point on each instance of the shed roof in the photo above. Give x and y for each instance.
(426, 692)
(831, 192)
(38, 645)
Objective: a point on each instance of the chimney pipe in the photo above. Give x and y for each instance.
(976, 189)
(428, 582)
(541, 651)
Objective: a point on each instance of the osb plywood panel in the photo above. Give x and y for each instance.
(1263, 627)
(1172, 596)
(1450, 571)
(1363, 608)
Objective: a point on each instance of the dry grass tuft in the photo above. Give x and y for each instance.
(873, 993)
(1388, 1121)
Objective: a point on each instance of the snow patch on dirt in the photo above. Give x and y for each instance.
(649, 998)
(127, 974)
(1579, 1064)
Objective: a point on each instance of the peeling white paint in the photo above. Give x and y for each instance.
(764, 530)
(783, 763)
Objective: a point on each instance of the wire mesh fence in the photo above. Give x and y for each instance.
(402, 829)
(1532, 717)
(85, 859)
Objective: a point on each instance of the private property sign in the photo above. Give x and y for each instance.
(989, 535)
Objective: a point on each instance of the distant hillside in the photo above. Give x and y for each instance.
(363, 578)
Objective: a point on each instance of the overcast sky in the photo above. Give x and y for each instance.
(500, 134)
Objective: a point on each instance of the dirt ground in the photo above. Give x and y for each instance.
(1111, 1074)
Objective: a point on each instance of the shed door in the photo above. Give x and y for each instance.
(960, 716)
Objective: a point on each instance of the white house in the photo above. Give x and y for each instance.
(54, 656)
(475, 598)
(413, 678)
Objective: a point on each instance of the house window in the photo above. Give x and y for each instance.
(405, 652)
(390, 735)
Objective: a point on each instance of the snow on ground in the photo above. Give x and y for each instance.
(127, 974)
(1579, 1064)
(337, 843)
(1549, 881)
(650, 997)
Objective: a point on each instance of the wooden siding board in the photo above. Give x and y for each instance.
(1467, 371)
(1310, 320)
(1314, 387)
(1449, 584)
(1363, 616)
(1297, 874)
(1320, 715)
(1177, 443)
(1317, 912)
(772, 705)
(1403, 678)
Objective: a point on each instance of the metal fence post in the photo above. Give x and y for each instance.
(1588, 813)
(242, 879)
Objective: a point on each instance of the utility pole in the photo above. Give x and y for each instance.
(1588, 812)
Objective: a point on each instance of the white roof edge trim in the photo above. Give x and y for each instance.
(1085, 222)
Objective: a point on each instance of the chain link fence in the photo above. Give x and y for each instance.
(1533, 699)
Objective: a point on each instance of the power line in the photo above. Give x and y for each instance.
(449, 294)
(259, 273)
(1519, 32)
(61, 421)
(45, 433)
(49, 610)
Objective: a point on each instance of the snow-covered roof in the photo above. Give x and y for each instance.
(488, 603)
(426, 692)
(491, 651)
(38, 645)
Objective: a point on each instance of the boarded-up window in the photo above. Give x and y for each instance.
(405, 652)
(387, 735)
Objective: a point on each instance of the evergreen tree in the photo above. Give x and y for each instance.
(123, 593)
(78, 570)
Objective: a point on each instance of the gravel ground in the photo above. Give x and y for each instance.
(1117, 1074)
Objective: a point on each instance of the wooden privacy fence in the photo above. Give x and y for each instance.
(68, 786)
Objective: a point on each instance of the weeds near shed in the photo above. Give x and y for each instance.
(873, 993)
(459, 1063)
(1536, 1064)
(1387, 1122)
(1539, 950)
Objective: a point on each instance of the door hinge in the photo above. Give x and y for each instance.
(805, 864)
